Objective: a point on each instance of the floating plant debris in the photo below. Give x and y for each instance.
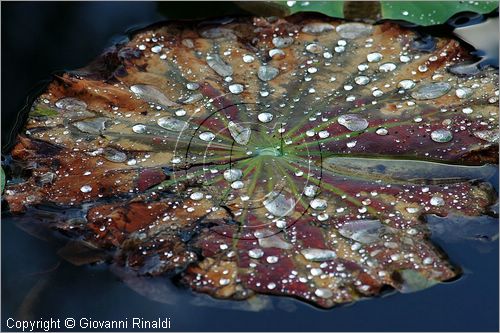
(265, 181)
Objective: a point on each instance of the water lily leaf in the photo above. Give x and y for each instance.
(435, 12)
(218, 153)
(418, 12)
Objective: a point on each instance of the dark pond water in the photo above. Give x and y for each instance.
(36, 283)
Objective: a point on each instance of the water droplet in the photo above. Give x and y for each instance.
(353, 122)
(317, 28)
(319, 204)
(278, 205)
(363, 67)
(255, 253)
(247, 58)
(71, 104)
(272, 259)
(282, 42)
(86, 188)
(488, 135)
(180, 113)
(362, 80)
(267, 73)
(232, 175)
(152, 95)
(431, 90)
(374, 57)
(192, 86)
(239, 133)
(271, 285)
(281, 224)
(310, 190)
(277, 54)
(207, 136)
(354, 30)
(192, 98)
(387, 67)
(114, 155)
(323, 134)
(323, 293)
(318, 254)
(312, 70)
(237, 185)
(265, 117)
(224, 282)
(441, 135)
(463, 92)
(172, 124)
(406, 84)
(362, 231)
(217, 32)
(156, 49)
(404, 58)
(405, 13)
(381, 131)
(467, 110)
(196, 196)
(215, 62)
(236, 88)
(412, 210)
(427, 261)
(139, 128)
(437, 201)
(92, 126)
(314, 48)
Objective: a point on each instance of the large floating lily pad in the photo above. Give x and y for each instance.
(219, 153)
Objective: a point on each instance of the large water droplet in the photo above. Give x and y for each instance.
(267, 73)
(406, 84)
(374, 57)
(278, 205)
(363, 231)
(318, 254)
(441, 135)
(236, 88)
(314, 48)
(207, 136)
(215, 62)
(172, 124)
(323, 293)
(431, 90)
(152, 95)
(86, 188)
(71, 104)
(362, 80)
(265, 117)
(282, 42)
(114, 155)
(353, 122)
(139, 128)
(354, 30)
(317, 28)
(92, 126)
(239, 133)
(319, 204)
(232, 175)
(387, 67)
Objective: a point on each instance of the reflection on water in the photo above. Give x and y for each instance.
(37, 283)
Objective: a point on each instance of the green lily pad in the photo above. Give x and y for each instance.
(432, 12)
(419, 12)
